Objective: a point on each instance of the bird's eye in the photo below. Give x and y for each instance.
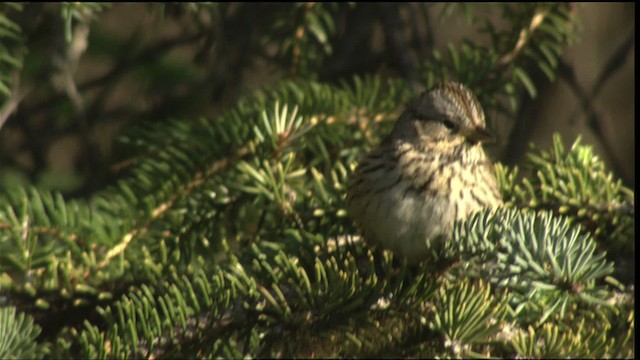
(448, 124)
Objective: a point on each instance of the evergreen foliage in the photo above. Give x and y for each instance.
(18, 336)
(228, 236)
(11, 48)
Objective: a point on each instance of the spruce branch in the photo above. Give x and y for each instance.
(18, 336)
(198, 179)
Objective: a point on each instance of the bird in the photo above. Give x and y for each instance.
(430, 171)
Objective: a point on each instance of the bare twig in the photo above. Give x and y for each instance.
(521, 131)
(525, 35)
(300, 33)
(127, 62)
(614, 64)
(17, 94)
(595, 122)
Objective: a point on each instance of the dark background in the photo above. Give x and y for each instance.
(137, 63)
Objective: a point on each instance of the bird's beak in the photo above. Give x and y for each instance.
(478, 134)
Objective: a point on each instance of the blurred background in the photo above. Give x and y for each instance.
(86, 81)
